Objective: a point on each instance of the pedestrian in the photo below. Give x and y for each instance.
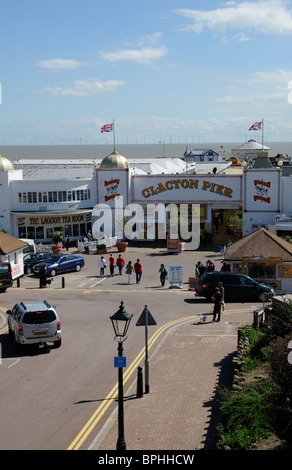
(197, 269)
(163, 274)
(120, 264)
(210, 266)
(112, 264)
(138, 271)
(43, 276)
(67, 242)
(102, 264)
(221, 289)
(129, 271)
(202, 269)
(217, 304)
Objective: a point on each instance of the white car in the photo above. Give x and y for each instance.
(34, 322)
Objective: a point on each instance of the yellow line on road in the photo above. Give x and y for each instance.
(91, 423)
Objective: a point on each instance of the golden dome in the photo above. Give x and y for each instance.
(5, 164)
(114, 160)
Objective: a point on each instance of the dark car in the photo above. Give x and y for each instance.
(57, 264)
(31, 259)
(236, 286)
(5, 276)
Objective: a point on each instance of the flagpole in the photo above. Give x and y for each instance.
(262, 134)
(114, 135)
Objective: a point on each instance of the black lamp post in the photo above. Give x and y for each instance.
(121, 321)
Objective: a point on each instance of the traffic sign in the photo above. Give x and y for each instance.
(120, 361)
(143, 320)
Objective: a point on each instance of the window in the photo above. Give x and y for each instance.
(31, 232)
(40, 232)
(22, 232)
(262, 270)
(34, 318)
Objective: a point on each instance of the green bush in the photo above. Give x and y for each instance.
(246, 418)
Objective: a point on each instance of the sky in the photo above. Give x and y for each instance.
(173, 71)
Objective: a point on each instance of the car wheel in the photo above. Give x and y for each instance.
(28, 270)
(77, 267)
(57, 344)
(53, 272)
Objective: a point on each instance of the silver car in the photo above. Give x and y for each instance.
(34, 322)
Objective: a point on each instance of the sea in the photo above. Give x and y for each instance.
(131, 152)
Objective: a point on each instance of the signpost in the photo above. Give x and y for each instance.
(175, 277)
(145, 320)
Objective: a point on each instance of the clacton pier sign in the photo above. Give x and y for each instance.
(187, 188)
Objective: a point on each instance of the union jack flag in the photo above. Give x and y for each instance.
(256, 126)
(107, 128)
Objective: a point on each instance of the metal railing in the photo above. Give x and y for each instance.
(91, 246)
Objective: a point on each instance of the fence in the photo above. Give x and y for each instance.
(260, 315)
(91, 246)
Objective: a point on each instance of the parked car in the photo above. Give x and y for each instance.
(5, 276)
(34, 322)
(57, 264)
(236, 286)
(30, 260)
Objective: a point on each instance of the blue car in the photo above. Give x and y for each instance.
(57, 264)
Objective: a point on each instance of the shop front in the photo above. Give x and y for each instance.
(264, 257)
(39, 226)
(218, 196)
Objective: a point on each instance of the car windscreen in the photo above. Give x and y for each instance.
(39, 317)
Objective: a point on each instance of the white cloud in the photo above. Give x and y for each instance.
(83, 87)
(268, 17)
(145, 55)
(59, 64)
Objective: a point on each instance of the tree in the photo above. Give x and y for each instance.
(236, 225)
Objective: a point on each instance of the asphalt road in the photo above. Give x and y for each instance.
(59, 399)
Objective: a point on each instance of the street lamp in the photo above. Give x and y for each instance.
(121, 321)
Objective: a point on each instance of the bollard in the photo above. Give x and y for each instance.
(139, 383)
(18, 282)
(63, 282)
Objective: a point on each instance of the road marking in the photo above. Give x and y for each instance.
(99, 412)
(98, 282)
(92, 422)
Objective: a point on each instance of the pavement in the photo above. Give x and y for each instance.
(181, 410)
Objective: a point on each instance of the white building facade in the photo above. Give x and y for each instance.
(38, 198)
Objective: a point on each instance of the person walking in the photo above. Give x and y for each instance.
(163, 274)
(112, 264)
(202, 268)
(210, 266)
(67, 242)
(217, 304)
(102, 264)
(43, 276)
(221, 289)
(120, 264)
(197, 269)
(129, 271)
(138, 271)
